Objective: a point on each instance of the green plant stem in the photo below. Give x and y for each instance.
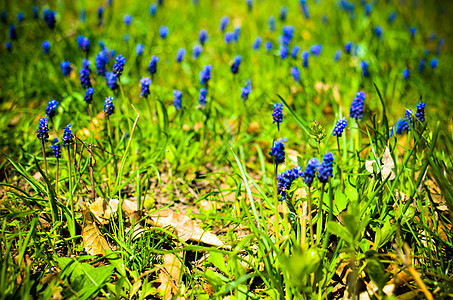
(277, 215)
(319, 223)
(56, 178)
(44, 155)
(341, 164)
(71, 202)
(127, 106)
(310, 221)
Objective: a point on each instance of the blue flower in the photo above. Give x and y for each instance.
(65, 68)
(43, 130)
(177, 103)
(20, 17)
(89, 95)
(68, 137)
(197, 49)
(421, 65)
(407, 120)
(152, 68)
(56, 148)
(420, 113)
(295, 51)
(368, 8)
(325, 170)
(152, 9)
(202, 97)
(45, 47)
(118, 66)
(287, 35)
(236, 33)
(12, 32)
(316, 49)
(139, 49)
(356, 110)
(257, 43)
(109, 109)
(283, 13)
(305, 56)
(268, 46)
(304, 7)
(378, 31)
(399, 126)
(235, 64)
(364, 65)
(392, 17)
(112, 80)
(35, 10)
(310, 171)
(245, 91)
(412, 30)
(337, 55)
(271, 23)
(434, 62)
(83, 43)
(127, 20)
(205, 74)
(249, 4)
(8, 46)
(229, 36)
(85, 81)
(163, 31)
(283, 52)
(295, 73)
(223, 23)
(145, 83)
(49, 18)
(203, 36)
(347, 47)
(286, 179)
(51, 108)
(278, 151)
(180, 55)
(406, 74)
(101, 61)
(100, 15)
(339, 127)
(277, 115)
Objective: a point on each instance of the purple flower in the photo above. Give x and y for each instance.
(202, 37)
(406, 74)
(118, 66)
(277, 115)
(180, 55)
(49, 18)
(245, 91)
(356, 110)
(316, 49)
(109, 109)
(43, 130)
(89, 95)
(283, 52)
(85, 81)
(339, 127)
(163, 31)
(285, 180)
(83, 43)
(139, 49)
(229, 36)
(295, 51)
(56, 148)
(45, 47)
(152, 68)
(337, 55)
(202, 97)
(177, 102)
(325, 170)
(68, 137)
(65, 68)
(268, 46)
(271, 23)
(112, 80)
(127, 20)
(364, 65)
(257, 43)
(235, 64)
(205, 74)
(305, 56)
(145, 83)
(420, 113)
(295, 73)
(51, 108)
(223, 23)
(197, 49)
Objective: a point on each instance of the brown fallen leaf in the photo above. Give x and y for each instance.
(169, 276)
(93, 241)
(185, 228)
(129, 206)
(387, 166)
(103, 210)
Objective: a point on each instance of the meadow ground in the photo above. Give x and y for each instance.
(226, 150)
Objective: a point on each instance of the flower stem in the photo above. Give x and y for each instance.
(71, 202)
(319, 223)
(310, 221)
(277, 215)
(341, 164)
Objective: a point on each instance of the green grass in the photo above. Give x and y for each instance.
(370, 229)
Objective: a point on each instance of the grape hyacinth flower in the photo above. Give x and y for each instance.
(203, 36)
(368, 8)
(412, 31)
(348, 47)
(325, 170)
(127, 20)
(316, 49)
(8, 46)
(83, 43)
(304, 8)
(112, 80)
(51, 108)
(139, 49)
(310, 171)
(109, 109)
(163, 31)
(433, 63)
(399, 127)
(177, 103)
(337, 55)
(236, 33)
(407, 120)
(245, 91)
(152, 9)
(249, 4)
(295, 51)
(45, 47)
(278, 151)
(406, 74)
(420, 113)
(100, 15)
(89, 95)
(286, 179)
(235, 64)
(223, 23)
(295, 73)
(283, 13)
(152, 68)
(257, 43)
(268, 46)
(271, 23)
(118, 66)
(287, 35)
(56, 148)
(364, 65)
(283, 52)
(101, 62)
(85, 81)
(229, 36)
(202, 97)
(12, 32)
(305, 56)
(356, 110)
(378, 31)
(145, 83)
(197, 49)
(277, 115)
(68, 137)
(205, 74)
(43, 130)
(35, 11)
(392, 17)
(49, 18)
(339, 127)
(180, 55)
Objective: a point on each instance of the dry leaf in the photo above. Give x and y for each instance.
(169, 276)
(387, 165)
(185, 228)
(93, 241)
(129, 206)
(103, 210)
